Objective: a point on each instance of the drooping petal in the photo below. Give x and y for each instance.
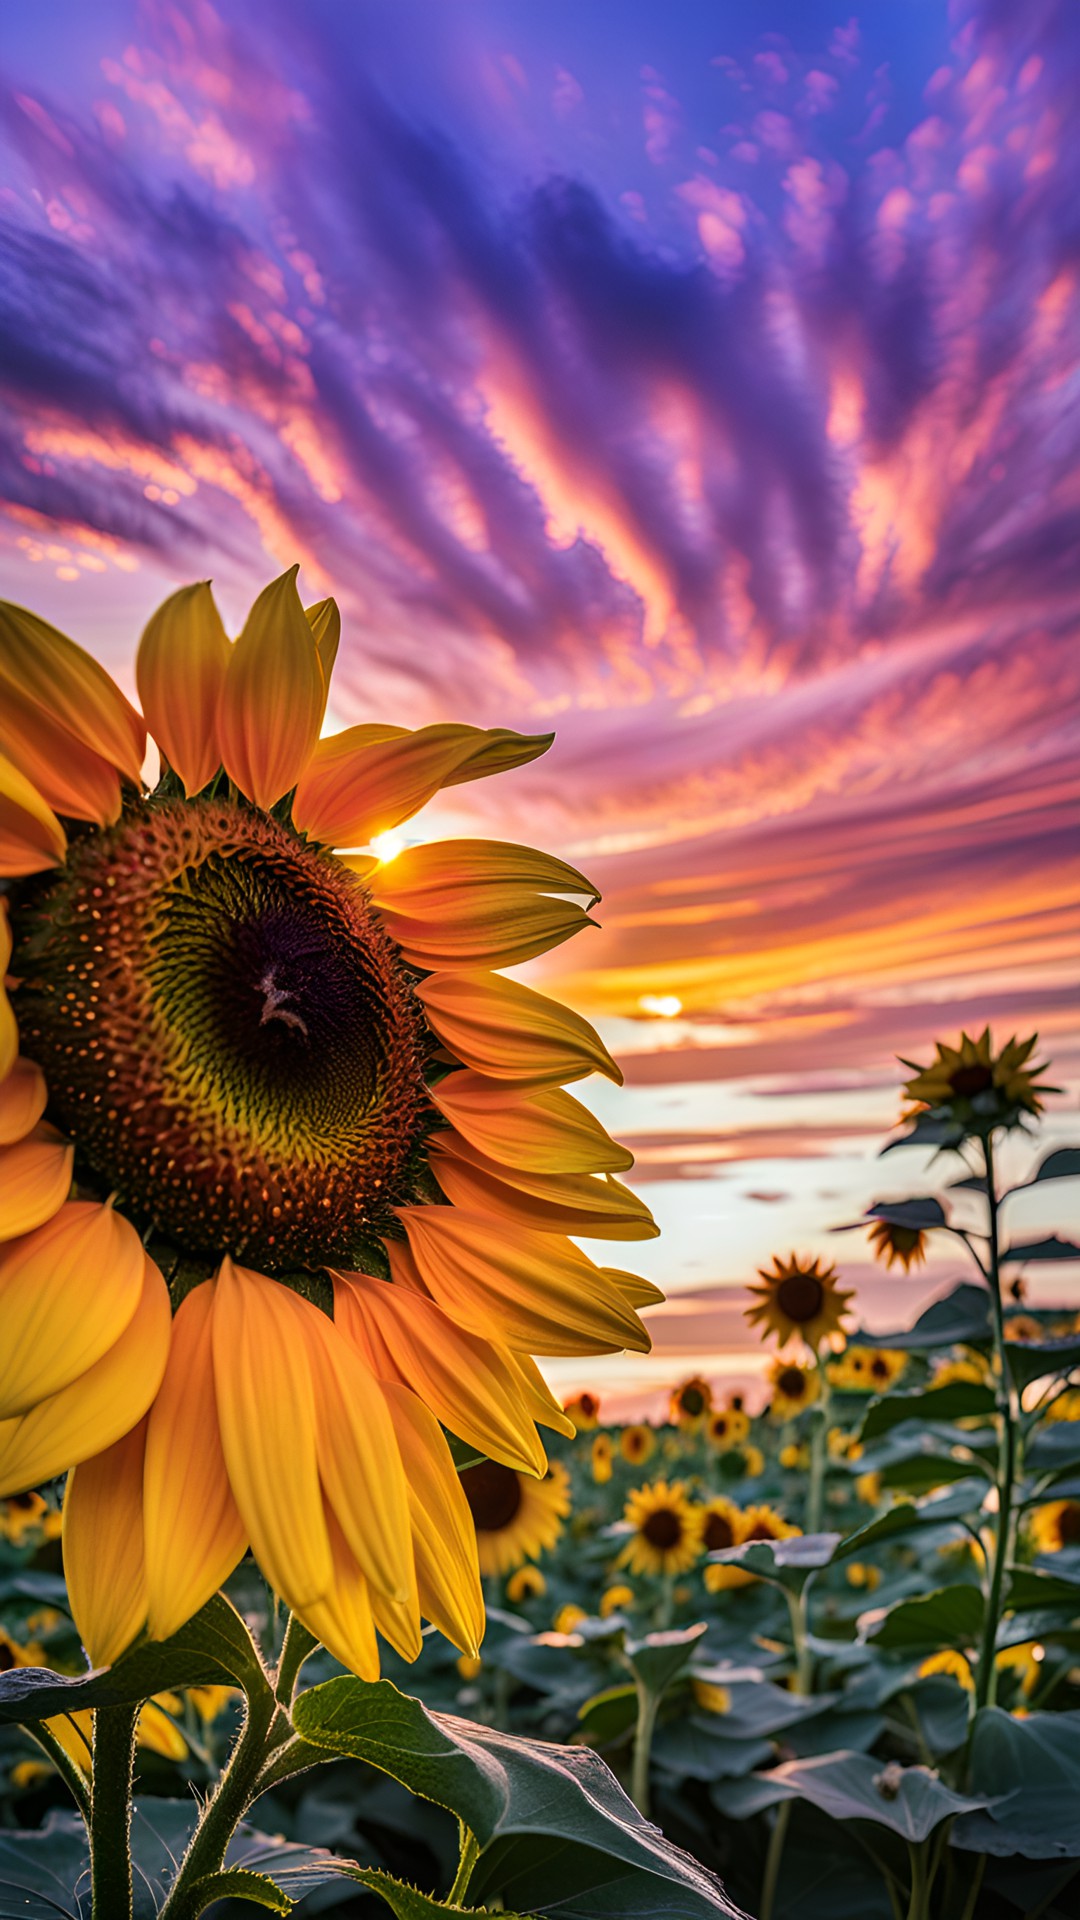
(509, 1032)
(31, 837)
(67, 1292)
(35, 1180)
(532, 1290)
(464, 1379)
(463, 904)
(9, 1032)
(97, 1408)
(539, 1398)
(41, 670)
(266, 1407)
(22, 1101)
(543, 1132)
(273, 697)
(155, 1731)
(103, 1547)
(552, 1203)
(342, 1619)
(357, 786)
(180, 671)
(444, 1538)
(194, 1533)
(359, 1464)
(324, 619)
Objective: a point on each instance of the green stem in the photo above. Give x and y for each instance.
(296, 1647)
(773, 1858)
(470, 1854)
(918, 1905)
(973, 1890)
(819, 1443)
(110, 1812)
(226, 1806)
(73, 1779)
(648, 1707)
(986, 1677)
(802, 1680)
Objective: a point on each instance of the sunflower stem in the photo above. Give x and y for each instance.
(110, 1812)
(648, 1707)
(264, 1728)
(296, 1647)
(819, 1431)
(773, 1858)
(467, 1859)
(987, 1672)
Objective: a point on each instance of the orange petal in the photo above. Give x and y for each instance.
(444, 1538)
(544, 1132)
(552, 1203)
(180, 671)
(477, 903)
(273, 698)
(98, 1407)
(31, 837)
(539, 1398)
(67, 1293)
(342, 1619)
(532, 1290)
(357, 787)
(22, 1101)
(9, 1032)
(324, 620)
(45, 671)
(359, 1464)
(194, 1533)
(509, 1032)
(35, 1180)
(636, 1291)
(266, 1407)
(103, 1547)
(466, 1380)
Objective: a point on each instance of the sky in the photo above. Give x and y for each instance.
(700, 381)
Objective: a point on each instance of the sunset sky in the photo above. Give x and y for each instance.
(699, 380)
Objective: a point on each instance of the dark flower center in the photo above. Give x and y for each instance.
(792, 1383)
(761, 1530)
(879, 1368)
(692, 1401)
(493, 1493)
(1069, 1525)
(719, 1533)
(588, 1405)
(968, 1081)
(663, 1529)
(7, 1658)
(800, 1296)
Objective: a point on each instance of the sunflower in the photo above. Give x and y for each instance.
(800, 1299)
(1024, 1326)
(951, 1662)
(727, 1428)
(867, 1369)
(155, 1730)
(516, 1516)
(721, 1524)
(584, 1411)
(710, 1697)
(27, 1520)
(637, 1444)
(764, 1523)
(601, 1455)
(793, 1388)
(615, 1599)
(527, 1583)
(974, 1090)
(972, 1367)
(666, 1535)
(690, 1404)
(1055, 1526)
(287, 1173)
(897, 1245)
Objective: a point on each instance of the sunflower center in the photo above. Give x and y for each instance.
(493, 1493)
(800, 1296)
(968, 1081)
(228, 1034)
(761, 1530)
(719, 1533)
(692, 1401)
(1069, 1525)
(792, 1383)
(879, 1368)
(663, 1529)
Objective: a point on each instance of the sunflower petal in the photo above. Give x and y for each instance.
(9, 1032)
(359, 1464)
(356, 787)
(180, 671)
(533, 1291)
(35, 1180)
(342, 1619)
(444, 1538)
(462, 904)
(541, 1402)
(44, 671)
(467, 1381)
(543, 1132)
(22, 1101)
(636, 1291)
(509, 1032)
(67, 1293)
(273, 697)
(194, 1533)
(552, 1203)
(31, 837)
(324, 619)
(266, 1407)
(103, 1547)
(97, 1408)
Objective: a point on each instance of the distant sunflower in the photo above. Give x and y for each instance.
(975, 1089)
(800, 1298)
(27, 1519)
(793, 1388)
(1056, 1526)
(601, 1458)
(690, 1403)
(615, 1599)
(516, 1516)
(867, 1369)
(666, 1535)
(527, 1583)
(637, 1444)
(583, 1410)
(897, 1245)
(722, 1524)
(1024, 1326)
(764, 1523)
(953, 1663)
(727, 1427)
(287, 1174)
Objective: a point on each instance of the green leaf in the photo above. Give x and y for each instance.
(236, 1883)
(946, 1617)
(161, 1829)
(1035, 1360)
(1062, 1164)
(1030, 1587)
(695, 1747)
(550, 1821)
(962, 1318)
(924, 1468)
(784, 1563)
(922, 1213)
(408, 1903)
(1050, 1249)
(759, 1709)
(911, 1801)
(939, 1509)
(40, 1871)
(1037, 1818)
(926, 1131)
(1054, 1448)
(608, 1715)
(213, 1649)
(661, 1657)
(963, 1400)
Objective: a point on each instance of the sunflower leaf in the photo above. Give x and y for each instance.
(659, 1658)
(1037, 1818)
(238, 1884)
(911, 1801)
(1037, 1360)
(784, 1563)
(408, 1903)
(963, 1317)
(41, 1871)
(1052, 1248)
(945, 1617)
(962, 1399)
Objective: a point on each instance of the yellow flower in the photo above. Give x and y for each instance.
(973, 1368)
(897, 1245)
(951, 1662)
(516, 1516)
(727, 1428)
(1024, 1326)
(235, 1013)
(27, 1519)
(1056, 1525)
(568, 1618)
(691, 1403)
(601, 1457)
(753, 1462)
(843, 1445)
(583, 1410)
(527, 1583)
(1025, 1661)
(710, 1697)
(721, 1524)
(667, 1529)
(210, 1702)
(764, 1523)
(976, 1089)
(637, 1444)
(1065, 1407)
(794, 1456)
(616, 1599)
(867, 1369)
(868, 1488)
(74, 1731)
(752, 1523)
(468, 1665)
(793, 1388)
(800, 1299)
(859, 1574)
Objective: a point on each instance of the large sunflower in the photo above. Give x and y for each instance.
(897, 1245)
(975, 1089)
(799, 1298)
(286, 1168)
(666, 1536)
(517, 1517)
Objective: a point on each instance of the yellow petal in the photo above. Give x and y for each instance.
(552, 1203)
(103, 1547)
(464, 1379)
(462, 904)
(194, 1533)
(22, 1101)
(356, 787)
(180, 671)
(156, 1732)
(359, 1464)
(509, 1032)
(67, 1293)
(31, 837)
(342, 1618)
(98, 1407)
(44, 671)
(444, 1538)
(543, 1132)
(266, 1407)
(324, 620)
(539, 1398)
(532, 1290)
(273, 698)
(35, 1180)
(636, 1291)
(9, 1032)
